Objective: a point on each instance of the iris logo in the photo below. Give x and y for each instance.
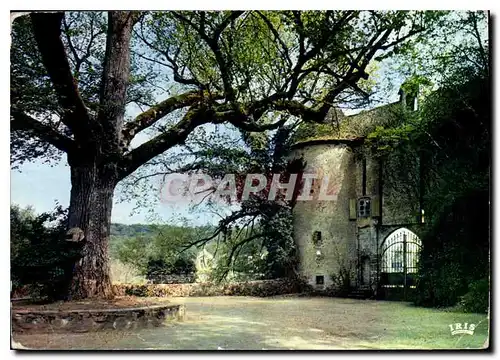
(464, 328)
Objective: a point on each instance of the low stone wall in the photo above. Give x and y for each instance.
(171, 279)
(260, 288)
(94, 320)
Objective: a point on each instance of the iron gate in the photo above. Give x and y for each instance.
(399, 263)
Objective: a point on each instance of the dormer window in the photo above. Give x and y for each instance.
(364, 207)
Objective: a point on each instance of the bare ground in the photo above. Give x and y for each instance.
(245, 323)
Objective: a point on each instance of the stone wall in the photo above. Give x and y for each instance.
(261, 288)
(93, 320)
(171, 278)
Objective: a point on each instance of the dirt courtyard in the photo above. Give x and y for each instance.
(285, 323)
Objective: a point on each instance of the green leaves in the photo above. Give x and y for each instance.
(161, 245)
(41, 258)
(384, 140)
(448, 141)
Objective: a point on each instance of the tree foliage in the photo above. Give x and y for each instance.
(41, 258)
(224, 67)
(158, 251)
(448, 141)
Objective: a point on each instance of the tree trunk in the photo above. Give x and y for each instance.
(91, 201)
(93, 166)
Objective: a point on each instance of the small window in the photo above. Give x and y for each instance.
(364, 207)
(317, 241)
(320, 280)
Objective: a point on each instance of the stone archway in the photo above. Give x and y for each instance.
(399, 255)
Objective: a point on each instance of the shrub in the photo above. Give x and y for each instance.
(441, 286)
(476, 300)
(178, 270)
(343, 279)
(41, 259)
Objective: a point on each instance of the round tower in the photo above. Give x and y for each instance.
(324, 232)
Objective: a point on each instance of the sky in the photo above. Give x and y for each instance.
(43, 187)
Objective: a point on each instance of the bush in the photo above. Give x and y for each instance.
(179, 270)
(455, 252)
(158, 254)
(41, 259)
(343, 279)
(476, 300)
(442, 285)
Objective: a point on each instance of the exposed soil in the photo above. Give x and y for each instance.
(92, 304)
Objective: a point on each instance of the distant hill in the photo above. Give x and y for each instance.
(122, 232)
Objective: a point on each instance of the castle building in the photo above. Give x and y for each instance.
(366, 240)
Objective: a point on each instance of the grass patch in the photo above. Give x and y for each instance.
(404, 326)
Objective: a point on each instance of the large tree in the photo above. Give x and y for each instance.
(74, 74)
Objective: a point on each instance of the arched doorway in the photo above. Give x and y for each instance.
(399, 264)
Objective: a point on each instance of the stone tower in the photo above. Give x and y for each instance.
(341, 241)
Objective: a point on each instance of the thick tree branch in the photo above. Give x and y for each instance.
(278, 102)
(115, 76)
(22, 122)
(160, 110)
(248, 120)
(176, 135)
(47, 31)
